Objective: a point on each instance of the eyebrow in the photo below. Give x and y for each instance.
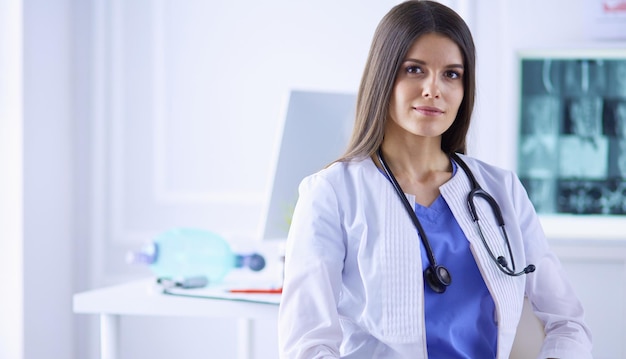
(420, 62)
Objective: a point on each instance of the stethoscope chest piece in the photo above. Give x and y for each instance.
(438, 278)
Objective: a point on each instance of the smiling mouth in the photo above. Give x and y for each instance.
(428, 110)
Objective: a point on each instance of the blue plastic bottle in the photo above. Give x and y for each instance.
(189, 252)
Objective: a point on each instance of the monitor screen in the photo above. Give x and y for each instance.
(316, 131)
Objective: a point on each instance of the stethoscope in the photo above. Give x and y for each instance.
(437, 276)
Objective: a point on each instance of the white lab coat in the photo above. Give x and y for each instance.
(353, 273)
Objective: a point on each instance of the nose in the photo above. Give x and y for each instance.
(431, 88)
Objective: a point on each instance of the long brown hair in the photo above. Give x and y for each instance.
(395, 34)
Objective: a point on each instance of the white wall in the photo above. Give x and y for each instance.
(98, 101)
(11, 186)
(48, 180)
(36, 200)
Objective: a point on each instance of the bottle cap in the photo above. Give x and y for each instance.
(147, 255)
(254, 261)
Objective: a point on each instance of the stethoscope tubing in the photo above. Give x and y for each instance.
(409, 208)
(476, 191)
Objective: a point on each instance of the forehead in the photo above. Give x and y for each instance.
(435, 47)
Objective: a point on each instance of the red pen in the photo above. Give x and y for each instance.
(257, 291)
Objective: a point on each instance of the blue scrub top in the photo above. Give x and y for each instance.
(460, 323)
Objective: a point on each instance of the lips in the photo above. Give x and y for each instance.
(428, 110)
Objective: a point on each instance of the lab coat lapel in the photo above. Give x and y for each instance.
(400, 262)
(501, 286)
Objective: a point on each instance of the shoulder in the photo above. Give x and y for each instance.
(500, 182)
(488, 173)
(343, 181)
(342, 173)
(480, 165)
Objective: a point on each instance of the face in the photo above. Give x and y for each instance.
(428, 90)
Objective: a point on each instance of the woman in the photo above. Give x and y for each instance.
(363, 277)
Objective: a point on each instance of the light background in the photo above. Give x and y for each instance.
(139, 115)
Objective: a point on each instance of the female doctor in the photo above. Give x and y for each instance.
(406, 248)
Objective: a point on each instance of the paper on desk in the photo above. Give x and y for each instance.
(222, 292)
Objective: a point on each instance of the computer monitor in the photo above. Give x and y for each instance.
(316, 131)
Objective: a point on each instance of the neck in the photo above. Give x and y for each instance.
(415, 160)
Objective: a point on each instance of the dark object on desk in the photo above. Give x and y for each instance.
(185, 283)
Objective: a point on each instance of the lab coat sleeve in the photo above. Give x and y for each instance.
(553, 299)
(308, 322)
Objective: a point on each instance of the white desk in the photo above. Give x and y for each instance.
(144, 297)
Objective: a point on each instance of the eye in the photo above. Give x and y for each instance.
(414, 69)
(453, 74)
